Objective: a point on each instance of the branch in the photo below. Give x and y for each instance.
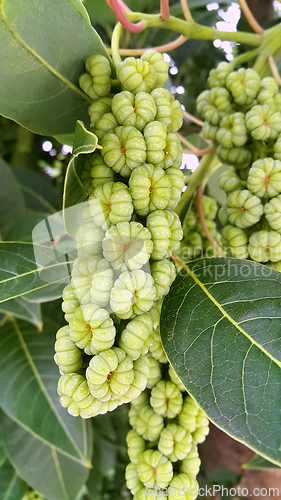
(164, 10)
(250, 18)
(199, 152)
(205, 228)
(194, 180)
(193, 119)
(128, 25)
(186, 11)
(161, 48)
(194, 30)
(274, 69)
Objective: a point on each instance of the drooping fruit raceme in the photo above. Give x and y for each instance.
(111, 353)
(242, 118)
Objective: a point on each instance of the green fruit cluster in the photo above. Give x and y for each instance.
(195, 243)
(242, 114)
(166, 429)
(123, 267)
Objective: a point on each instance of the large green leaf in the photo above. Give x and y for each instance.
(3, 454)
(24, 225)
(11, 199)
(85, 142)
(53, 474)
(12, 487)
(34, 268)
(39, 194)
(259, 463)
(220, 326)
(23, 309)
(28, 396)
(41, 63)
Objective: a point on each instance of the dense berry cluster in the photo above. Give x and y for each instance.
(110, 352)
(123, 268)
(242, 114)
(195, 243)
(166, 428)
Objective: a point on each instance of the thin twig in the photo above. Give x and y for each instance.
(164, 10)
(250, 18)
(186, 142)
(199, 152)
(161, 48)
(128, 25)
(192, 118)
(186, 11)
(205, 228)
(274, 69)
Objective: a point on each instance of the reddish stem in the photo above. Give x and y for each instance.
(128, 25)
(203, 222)
(164, 10)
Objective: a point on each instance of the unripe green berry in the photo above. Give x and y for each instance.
(177, 183)
(183, 483)
(156, 348)
(239, 157)
(133, 482)
(166, 233)
(150, 189)
(92, 329)
(243, 85)
(110, 203)
(135, 334)
(134, 110)
(166, 399)
(89, 238)
(124, 149)
(82, 272)
(127, 246)
(136, 75)
(268, 90)
(244, 209)
(175, 379)
(264, 178)
(68, 356)
(188, 414)
(100, 172)
(155, 139)
(236, 240)
(141, 372)
(154, 372)
(107, 123)
(263, 122)
(110, 374)
(96, 83)
(229, 181)
(272, 212)
(163, 272)
(265, 246)
(154, 469)
(133, 293)
(191, 463)
(136, 445)
(148, 423)
(160, 66)
(70, 302)
(217, 76)
(214, 104)
(175, 442)
(232, 131)
(99, 108)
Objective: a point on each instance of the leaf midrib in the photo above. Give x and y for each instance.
(39, 58)
(228, 317)
(43, 389)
